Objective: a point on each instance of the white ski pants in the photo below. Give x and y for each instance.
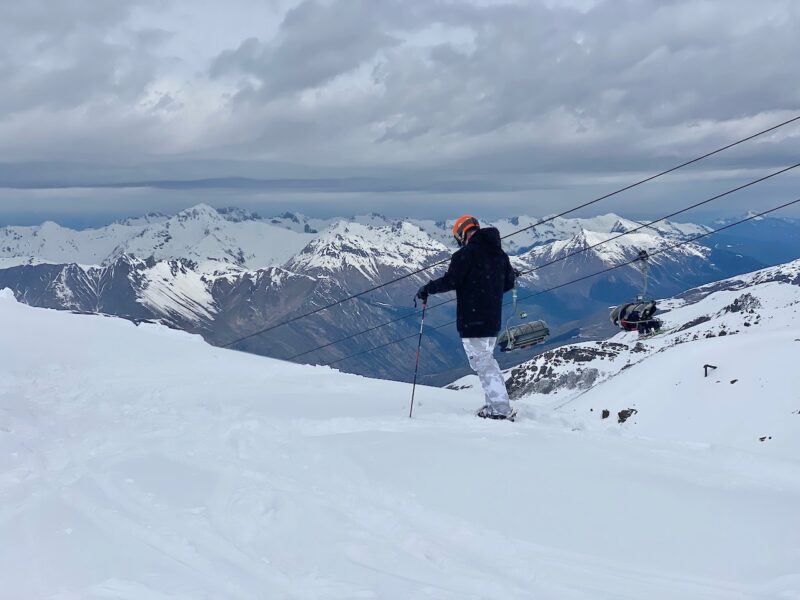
(479, 352)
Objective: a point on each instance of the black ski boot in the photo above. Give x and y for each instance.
(486, 412)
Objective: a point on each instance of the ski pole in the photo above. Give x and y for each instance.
(419, 347)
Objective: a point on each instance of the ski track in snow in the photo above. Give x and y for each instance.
(141, 463)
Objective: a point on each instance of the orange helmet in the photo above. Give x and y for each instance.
(462, 226)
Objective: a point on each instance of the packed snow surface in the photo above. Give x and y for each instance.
(140, 463)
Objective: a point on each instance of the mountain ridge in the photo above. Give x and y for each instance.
(227, 274)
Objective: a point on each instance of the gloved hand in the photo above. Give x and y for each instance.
(517, 273)
(422, 293)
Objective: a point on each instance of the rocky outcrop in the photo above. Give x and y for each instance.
(568, 367)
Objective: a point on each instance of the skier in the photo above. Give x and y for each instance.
(480, 273)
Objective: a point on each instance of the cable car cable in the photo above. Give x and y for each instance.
(559, 259)
(541, 222)
(585, 277)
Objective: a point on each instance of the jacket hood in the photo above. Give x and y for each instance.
(489, 236)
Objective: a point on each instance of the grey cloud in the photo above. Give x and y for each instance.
(317, 42)
(517, 95)
(50, 21)
(603, 83)
(660, 63)
(63, 54)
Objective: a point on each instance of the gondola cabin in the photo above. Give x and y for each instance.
(524, 335)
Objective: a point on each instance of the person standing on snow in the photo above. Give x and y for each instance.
(480, 273)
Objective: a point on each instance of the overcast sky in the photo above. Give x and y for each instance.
(417, 107)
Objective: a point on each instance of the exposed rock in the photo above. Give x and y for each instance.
(744, 303)
(543, 374)
(694, 323)
(626, 414)
(546, 382)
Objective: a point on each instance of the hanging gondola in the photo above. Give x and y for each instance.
(524, 335)
(638, 315)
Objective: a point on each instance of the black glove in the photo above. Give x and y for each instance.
(422, 294)
(517, 273)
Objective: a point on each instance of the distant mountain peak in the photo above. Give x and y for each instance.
(146, 219)
(580, 239)
(289, 216)
(198, 212)
(49, 226)
(238, 215)
(754, 216)
(369, 248)
(620, 227)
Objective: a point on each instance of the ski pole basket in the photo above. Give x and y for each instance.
(523, 335)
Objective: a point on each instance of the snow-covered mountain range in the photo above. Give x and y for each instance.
(237, 238)
(228, 273)
(142, 463)
(213, 239)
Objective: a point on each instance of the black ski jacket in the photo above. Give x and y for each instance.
(480, 273)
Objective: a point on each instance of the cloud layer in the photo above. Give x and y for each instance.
(530, 93)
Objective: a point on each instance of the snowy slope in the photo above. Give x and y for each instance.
(204, 235)
(674, 265)
(51, 243)
(368, 249)
(749, 328)
(746, 326)
(562, 228)
(174, 289)
(182, 471)
(612, 249)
